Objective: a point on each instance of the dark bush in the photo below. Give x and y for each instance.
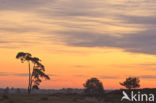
(131, 83)
(93, 87)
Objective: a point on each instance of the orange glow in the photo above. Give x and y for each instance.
(73, 69)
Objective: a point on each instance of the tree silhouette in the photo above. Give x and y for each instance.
(93, 87)
(131, 82)
(38, 69)
(26, 57)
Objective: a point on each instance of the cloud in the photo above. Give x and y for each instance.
(148, 64)
(13, 74)
(143, 66)
(148, 76)
(85, 23)
(21, 5)
(148, 20)
(109, 77)
(3, 74)
(80, 75)
(80, 66)
(19, 74)
(80, 35)
(98, 76)
(143, 42)
(18, 29)
(53, 75)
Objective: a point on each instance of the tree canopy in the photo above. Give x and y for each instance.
(131, 83)
(93, 87)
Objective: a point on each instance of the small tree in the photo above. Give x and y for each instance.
(36, 73)
(131, 83)
(93, 87)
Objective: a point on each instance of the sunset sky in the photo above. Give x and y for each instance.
(77, 40)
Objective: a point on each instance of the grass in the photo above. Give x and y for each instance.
(112, 97)
(47, 98)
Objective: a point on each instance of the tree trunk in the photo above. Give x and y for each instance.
(31, 78)
(29, 87)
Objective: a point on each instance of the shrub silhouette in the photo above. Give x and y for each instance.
(38, 69)
(35, 87)
(131, 83)
(6, 90)
(93, 87)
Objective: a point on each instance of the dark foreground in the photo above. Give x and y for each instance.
(111, 97)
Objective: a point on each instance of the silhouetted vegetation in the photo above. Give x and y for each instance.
(131, 83)
(93, 87)
(6, 90)
(35, 87)
(18, 90)
(113, 96)
(37, 72)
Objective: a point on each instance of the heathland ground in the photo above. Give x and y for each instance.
(110, 97)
